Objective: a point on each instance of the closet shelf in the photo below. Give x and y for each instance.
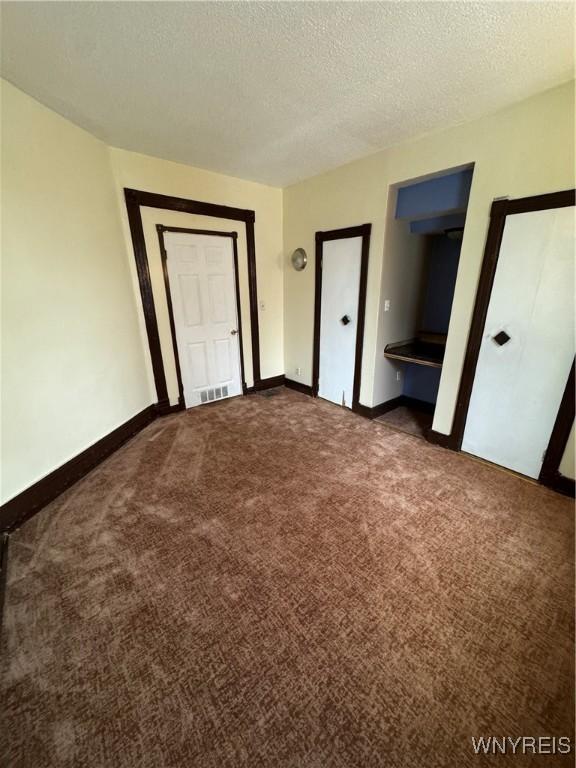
(425, 349)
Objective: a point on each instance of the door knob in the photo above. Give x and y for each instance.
(501, 338)
(234, 332)
(345, 320)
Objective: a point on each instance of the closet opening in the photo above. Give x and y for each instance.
(423, 245)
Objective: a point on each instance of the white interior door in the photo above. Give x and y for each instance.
(519, 383)
(341, 261)
(202, 288)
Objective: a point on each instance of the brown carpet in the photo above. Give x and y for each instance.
(279, 583)
(407, 419)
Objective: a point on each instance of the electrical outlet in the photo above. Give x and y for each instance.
(398, 376)
(298, 371)
(386, 305)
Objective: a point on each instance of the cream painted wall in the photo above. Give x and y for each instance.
(168, 178)
(527, 149)
(73, 366)
(567, 467)
(402, 282)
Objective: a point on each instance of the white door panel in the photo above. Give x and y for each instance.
(189, 286)
(202, 288)
(198, 364)
(519, 384)
(341, 261)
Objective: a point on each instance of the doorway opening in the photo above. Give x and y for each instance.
(423, 244)
(136, 201)
(203, 297)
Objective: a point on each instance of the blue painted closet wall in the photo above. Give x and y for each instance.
(420, 382)
(443, 257)
(438, 196)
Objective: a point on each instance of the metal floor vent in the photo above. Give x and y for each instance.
(214, 393)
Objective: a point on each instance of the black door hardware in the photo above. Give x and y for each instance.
(501, 338)
(345, 320)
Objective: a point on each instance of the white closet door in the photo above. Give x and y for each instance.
(202, 288)
(341, 261)
(520, 381)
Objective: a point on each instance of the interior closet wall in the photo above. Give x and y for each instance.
(441, 268)
(403, 282)
(443, 254)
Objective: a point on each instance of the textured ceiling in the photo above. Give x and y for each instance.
(278, 91)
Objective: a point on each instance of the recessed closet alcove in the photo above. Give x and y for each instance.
(430, 216)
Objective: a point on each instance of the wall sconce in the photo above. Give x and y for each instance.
(299, 259)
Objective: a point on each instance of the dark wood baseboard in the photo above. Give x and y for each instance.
(23, 506)
(445, 441)
(19, 509)
(555, 481)
(163, 408)
(560, 484)
(389, 405)
(363, 410)
(306, 389)
(4, 538)
(378, 410)
(273, 381)
(418, 405)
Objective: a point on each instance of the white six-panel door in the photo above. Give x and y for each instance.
(341, 261)
(520, 381)
(202, 289)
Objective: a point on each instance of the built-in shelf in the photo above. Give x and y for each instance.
(425, 349)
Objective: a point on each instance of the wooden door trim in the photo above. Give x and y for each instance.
(135, 199)
(363, 231)
(161, 229)
(550, 472)
(499, 211)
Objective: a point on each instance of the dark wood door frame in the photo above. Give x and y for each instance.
(363, 231)
(550, 472)
(498, 213)
(160, 228)
(135, 199)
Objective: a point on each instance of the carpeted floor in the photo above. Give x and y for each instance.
(279, 583)
(408, 419)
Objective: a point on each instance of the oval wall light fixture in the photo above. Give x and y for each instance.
(299, 259)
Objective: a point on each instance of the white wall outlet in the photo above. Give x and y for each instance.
(398, 376)
(298, 371)
(386, 305)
